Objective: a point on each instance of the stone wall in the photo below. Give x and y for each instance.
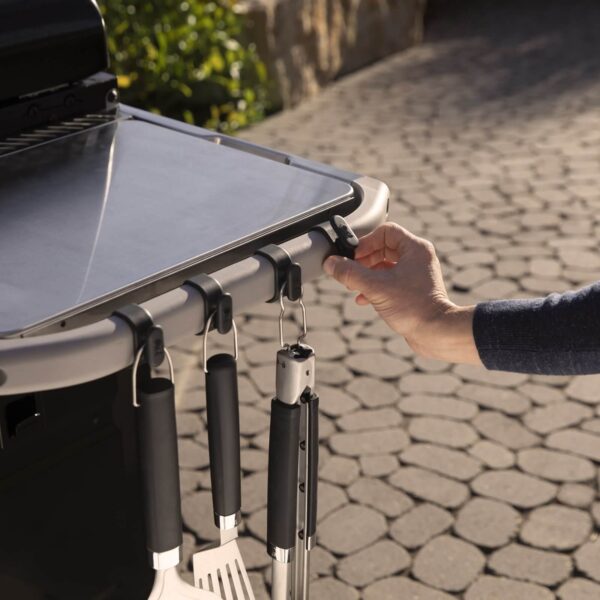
(308, 43)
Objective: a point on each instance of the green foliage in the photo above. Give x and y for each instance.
(184, 59)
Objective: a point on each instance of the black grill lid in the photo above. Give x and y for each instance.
(47, 43)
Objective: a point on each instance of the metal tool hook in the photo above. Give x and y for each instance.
(205, 341)
(136, 364)
(302, 336)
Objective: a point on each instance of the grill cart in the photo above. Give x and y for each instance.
(110, 219)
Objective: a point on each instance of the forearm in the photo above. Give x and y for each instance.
(449, 337)
(556, 335)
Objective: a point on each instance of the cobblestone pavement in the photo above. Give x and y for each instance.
(442, 481)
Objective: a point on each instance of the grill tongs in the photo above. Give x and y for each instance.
(293, 466)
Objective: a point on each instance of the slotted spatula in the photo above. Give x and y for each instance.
(222, 569)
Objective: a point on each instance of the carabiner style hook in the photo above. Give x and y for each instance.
(302, 336)
(136, 364)
(205, 341)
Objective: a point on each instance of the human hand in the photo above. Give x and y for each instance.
(399, 274)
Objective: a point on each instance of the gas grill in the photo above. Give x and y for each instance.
(104, 206)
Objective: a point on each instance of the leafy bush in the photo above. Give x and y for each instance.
(184, 59)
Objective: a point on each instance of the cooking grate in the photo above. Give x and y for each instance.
(53, 132)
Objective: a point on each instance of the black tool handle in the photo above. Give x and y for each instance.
(223, 416)
(157, 437)
(313, 464)
(283, 474)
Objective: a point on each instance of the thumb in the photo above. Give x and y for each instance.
(348, 272)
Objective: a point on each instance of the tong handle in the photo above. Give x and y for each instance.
(313, 465)
(283, 475)
(223, 417)
(157, 440)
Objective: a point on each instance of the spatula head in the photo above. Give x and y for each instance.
(222, 570)
(169, 586)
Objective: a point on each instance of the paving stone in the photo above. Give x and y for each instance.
(340, 470)
(452, 463)
(504, 400)
(336, 402)
(448, 563)
(254, 492)
(188, 423)
(191, 399)
(247, 392)
(505, 430)
(354, 313)
(261, 328)
(380, 560)
(254, 460)
(493, 455)
(468, 278)
(321, 561)
(324, 317)
(398, 346)
(418, 383)
(556, 416)
(585, 388)
(497, 378)
(556, 527)
(587, 559)
(351, 528)
(189, 481)
(577, 442)
(379, 329)
(430, 365)
(327, 588)
(556, 466)
(197, 514)
(579, 589)
(430, 486)
(332, 373)
(381, 496)
(538, 566)
(438, 406)
(515, 488)
(366, 344)
(252, 421)
(542, 394)
(377, 364)
(420, 524)
(369, 442)
(328, 344)
(576, 494)
(330, 498)
(591, 425)
(253, 553)
(487, 523)
(257, 583)
(442, 431)
(192, 455)
(464, 259)
(395, 588)
(378, 465)
(372, 392)
(374, 418)
(501, 588)
(256, 523)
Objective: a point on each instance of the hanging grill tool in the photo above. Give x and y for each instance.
(154, 399)
(293, 447)
(221, 569)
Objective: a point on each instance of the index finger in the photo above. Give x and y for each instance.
(387, 242)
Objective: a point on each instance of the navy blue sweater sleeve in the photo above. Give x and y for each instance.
(556, 335)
